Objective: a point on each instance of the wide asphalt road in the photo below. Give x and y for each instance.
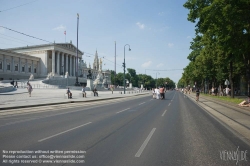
(137, 131)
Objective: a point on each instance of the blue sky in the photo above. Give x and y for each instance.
(157, 31)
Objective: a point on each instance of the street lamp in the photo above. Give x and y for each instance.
(124, 65)
(156, 78)
(76, 84)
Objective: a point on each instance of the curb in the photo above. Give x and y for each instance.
(65, 102)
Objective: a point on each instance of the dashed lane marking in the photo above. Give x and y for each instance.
(164, 113)
(63, 132)
(122, 110)
(138, 154)
(141, 103)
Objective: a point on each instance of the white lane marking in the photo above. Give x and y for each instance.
(122, 110)
(169, 104)
(63, 132)
(164, 113)
(142, 103)
(138, 154)
(174, 96)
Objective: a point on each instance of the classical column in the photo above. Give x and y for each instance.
(12, 65)
(32, 66)
(38, 68)
(74, 66)
(58, 62)
(66, 64)
(70, 65)
(19, 65)
(26, 66)
(4, 63)
(62, 65)
(53, 62)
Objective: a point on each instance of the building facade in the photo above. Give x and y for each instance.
(18, 66)
(56, 58)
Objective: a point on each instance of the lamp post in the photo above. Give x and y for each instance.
(115, 65)
(156, 78)
(76, 84)
(124, 66)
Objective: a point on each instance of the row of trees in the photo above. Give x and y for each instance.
(221, 47)
(138, 79)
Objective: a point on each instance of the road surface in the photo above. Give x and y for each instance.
(136, 131)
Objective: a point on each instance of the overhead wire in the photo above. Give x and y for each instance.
(16, 38)
(17, 6)
(25, 34)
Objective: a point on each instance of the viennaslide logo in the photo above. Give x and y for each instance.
(234, 155)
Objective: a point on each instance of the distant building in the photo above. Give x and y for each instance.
(18, 66)
(49, 59)
(56, 58)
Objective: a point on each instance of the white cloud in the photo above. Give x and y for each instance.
(140, 25)
(146, 64)
(159, 65)
(170, 45)
(60, 28)
(188, 37)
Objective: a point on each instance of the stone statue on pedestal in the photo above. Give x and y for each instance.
(99, 79)
(31, 77)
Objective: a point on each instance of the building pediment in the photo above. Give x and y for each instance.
(70, 47)
(66, 46)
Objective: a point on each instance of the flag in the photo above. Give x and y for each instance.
(64, 32)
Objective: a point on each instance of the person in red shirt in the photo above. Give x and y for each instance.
(161, 92)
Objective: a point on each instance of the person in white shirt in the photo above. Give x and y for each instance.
(157, 93)
(227, 91)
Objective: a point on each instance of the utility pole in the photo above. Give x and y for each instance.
(115, 66)
(76, 84)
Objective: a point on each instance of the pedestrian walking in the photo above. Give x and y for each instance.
(95, 92)
(161, 92)
(68, 92)
(197, 94)
(112, 88)
(227, 91)
(153, 92)
(29, 88)
(157, 92)
(83, 92)
(16, 85)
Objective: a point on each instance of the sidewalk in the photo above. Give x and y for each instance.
(20, 98)
(231, 115)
